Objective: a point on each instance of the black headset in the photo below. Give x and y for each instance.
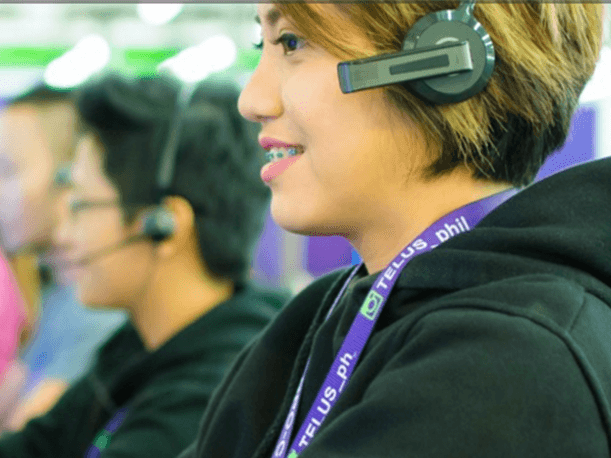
(158, 224)
(447, 57)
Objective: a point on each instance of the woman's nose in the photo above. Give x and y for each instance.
(260, 99)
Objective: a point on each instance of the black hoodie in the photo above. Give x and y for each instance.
(495, 344)
(166, 391)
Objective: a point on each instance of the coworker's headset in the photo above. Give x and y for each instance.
(157, 224)
(447, 57)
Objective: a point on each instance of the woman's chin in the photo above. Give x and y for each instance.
(307, 225)
(304, 228)
(290, 218)
(292, 225)
(302, 218)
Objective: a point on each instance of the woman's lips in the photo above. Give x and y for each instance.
(268, 143)
(275, 169)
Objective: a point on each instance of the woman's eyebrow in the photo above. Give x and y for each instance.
(271, 17)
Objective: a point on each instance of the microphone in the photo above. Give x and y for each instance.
(102, 252)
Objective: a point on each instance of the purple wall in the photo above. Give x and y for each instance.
(580, 145)
(325, 254)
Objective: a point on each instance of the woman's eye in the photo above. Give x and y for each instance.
(290, 42)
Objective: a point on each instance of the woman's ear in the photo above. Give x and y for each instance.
(184, 225)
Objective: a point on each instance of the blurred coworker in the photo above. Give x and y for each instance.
(38, 134)
(12, 317)
(191, 306)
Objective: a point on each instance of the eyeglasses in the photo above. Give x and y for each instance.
(78, 205)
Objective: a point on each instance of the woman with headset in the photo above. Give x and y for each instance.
(163, 209)
(479, 323)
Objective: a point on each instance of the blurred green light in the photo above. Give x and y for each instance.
(142, 61)
(29, 57)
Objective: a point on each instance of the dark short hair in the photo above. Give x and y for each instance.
(217, 163)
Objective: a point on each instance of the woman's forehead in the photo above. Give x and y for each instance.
(269, 14)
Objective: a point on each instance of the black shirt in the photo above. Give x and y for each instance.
(166, 391)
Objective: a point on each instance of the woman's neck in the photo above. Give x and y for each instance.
(406, 215)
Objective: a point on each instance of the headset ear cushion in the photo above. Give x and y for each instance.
(451, 26)
(158, 224)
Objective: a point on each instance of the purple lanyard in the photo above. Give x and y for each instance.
(102, 440)
(461, 220)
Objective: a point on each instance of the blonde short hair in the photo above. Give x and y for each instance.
(545, 53)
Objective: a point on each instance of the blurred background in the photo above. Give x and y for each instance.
(64, 44)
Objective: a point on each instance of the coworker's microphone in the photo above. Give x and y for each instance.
(103, 252)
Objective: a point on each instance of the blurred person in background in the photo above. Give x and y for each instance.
(38, 132)
(13, 318)
(191, 305)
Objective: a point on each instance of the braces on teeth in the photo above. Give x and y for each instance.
(278, 153)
